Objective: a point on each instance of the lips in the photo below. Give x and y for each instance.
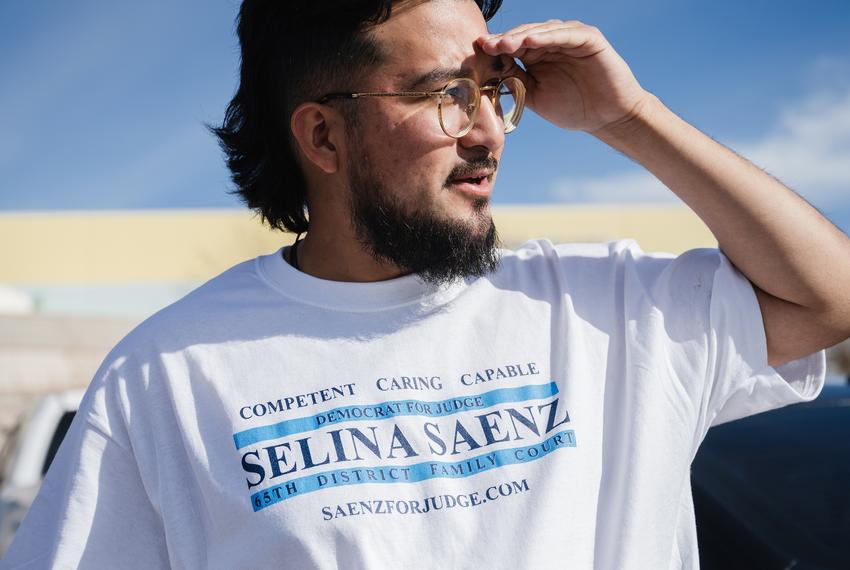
(474, 178)
(477, 184)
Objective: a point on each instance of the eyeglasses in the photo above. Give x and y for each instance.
(459, 101)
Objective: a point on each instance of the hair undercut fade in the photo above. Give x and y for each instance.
(292, 52)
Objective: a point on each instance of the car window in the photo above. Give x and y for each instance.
(56, 440)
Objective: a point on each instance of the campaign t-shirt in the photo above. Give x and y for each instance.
(545, 415)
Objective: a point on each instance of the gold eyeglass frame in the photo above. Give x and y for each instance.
(477, 90)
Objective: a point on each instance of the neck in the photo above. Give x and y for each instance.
(335, 254)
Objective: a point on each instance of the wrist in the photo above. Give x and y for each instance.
(632, 125)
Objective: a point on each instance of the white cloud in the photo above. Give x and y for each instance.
(808, 149)
(631, 187)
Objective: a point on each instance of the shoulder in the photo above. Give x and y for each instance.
(617, 271)
(139, 368)
(579, 263)
(622, 255)
(538, 248)
(204, 315)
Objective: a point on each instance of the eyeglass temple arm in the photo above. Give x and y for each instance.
(330, 96)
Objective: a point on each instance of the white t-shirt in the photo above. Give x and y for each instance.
(543, 416)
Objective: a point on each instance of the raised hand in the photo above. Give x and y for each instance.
(574, 77)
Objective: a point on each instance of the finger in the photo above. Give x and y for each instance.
(576, 42)
(509, 43)
(527, 80)
(519, 31)
(538, 25)
(512, 68)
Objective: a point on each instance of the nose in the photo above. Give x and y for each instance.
(488, 130)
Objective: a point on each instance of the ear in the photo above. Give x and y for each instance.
(317, 130)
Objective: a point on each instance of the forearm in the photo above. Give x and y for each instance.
(798, 262)
(785, 247)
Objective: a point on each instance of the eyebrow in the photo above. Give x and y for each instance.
(446, 74)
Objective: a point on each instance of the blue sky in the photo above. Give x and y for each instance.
(103, 103)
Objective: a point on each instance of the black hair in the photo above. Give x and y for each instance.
(291, 52)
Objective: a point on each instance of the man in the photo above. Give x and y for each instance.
(394, 392)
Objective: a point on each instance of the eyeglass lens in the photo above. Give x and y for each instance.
(460, 103)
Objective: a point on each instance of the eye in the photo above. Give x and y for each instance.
(455, 91)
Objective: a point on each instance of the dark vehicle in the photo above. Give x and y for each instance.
(773, 490)
(27, 453)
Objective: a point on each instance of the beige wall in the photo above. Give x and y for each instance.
(194, 245)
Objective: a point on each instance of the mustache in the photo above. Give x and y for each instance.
(470, 167)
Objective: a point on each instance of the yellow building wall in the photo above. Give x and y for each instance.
(194, 245)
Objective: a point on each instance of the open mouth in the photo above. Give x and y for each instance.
(478, 186)
(476, 180)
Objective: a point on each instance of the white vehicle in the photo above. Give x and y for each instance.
(27, 454)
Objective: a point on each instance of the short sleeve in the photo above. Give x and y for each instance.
(683, 335)
(694, 321)
(742, 383)
(92, 510)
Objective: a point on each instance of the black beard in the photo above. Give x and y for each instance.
(416, 239)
